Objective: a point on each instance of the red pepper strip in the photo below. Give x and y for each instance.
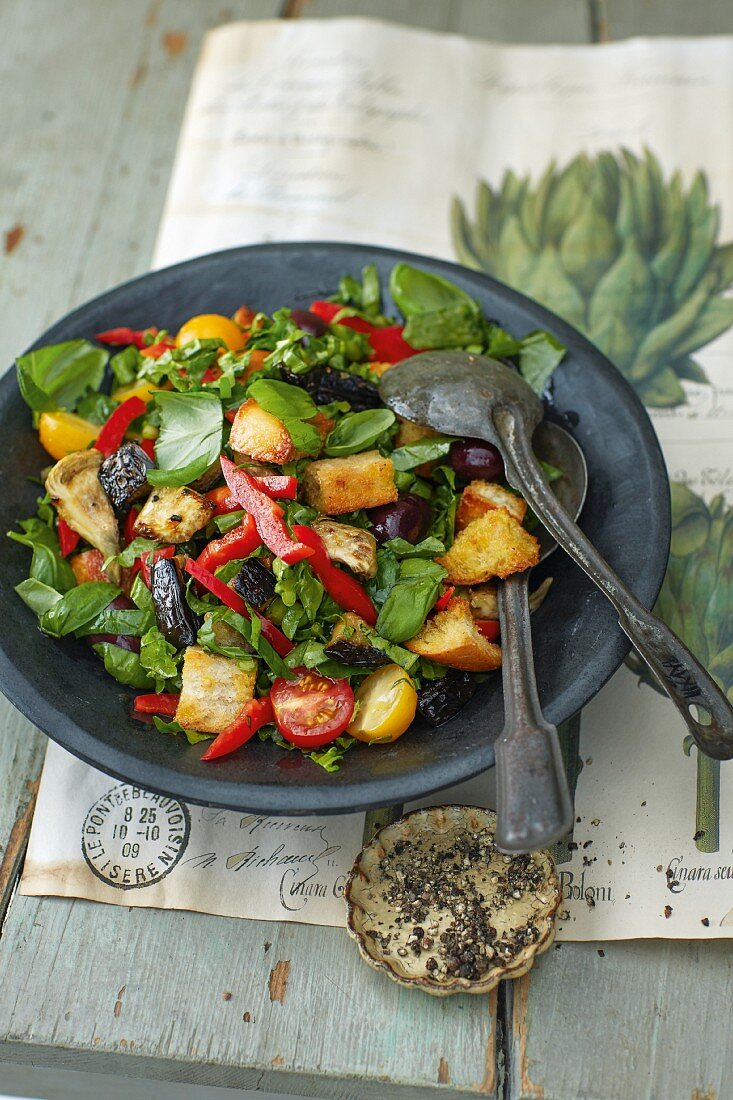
(442, 601)
(325, 310)
(341, 586)
(237, 543)
(126, 336)
(230, 414)
(256, 713)
(232, 599)
(68, 537)
(275, 485)
(489, 628)
(156, 350)
(165, 552)
(113, 431)
(163, 703)
(267, 514)
(148, 445)
(211, 374)
(128, 532)
(389, 346)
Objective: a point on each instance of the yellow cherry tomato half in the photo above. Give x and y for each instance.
(141, 388)
(387, 702)
(212, 326)
(62, 432)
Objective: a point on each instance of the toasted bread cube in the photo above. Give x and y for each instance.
(452, 638)
(481, 496)
(257, 434)
(408, 432)
(336, 485)
(494, 545)
(173, 514)
(214, 691)
(351, 546)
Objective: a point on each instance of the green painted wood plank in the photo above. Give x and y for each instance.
(647, 1020)
(184, 996)
(626, 18)
(530, 21)
(21, 756)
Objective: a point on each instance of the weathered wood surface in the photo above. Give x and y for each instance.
(92, 100)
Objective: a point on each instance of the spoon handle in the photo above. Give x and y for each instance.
(679, 672)
(534, 807)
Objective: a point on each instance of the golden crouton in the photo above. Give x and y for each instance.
(452, 638)
(481, 496)
(259, 435)
(336, 485)
(494, 545)
(214, 691)
(173, 514)
(351, 546)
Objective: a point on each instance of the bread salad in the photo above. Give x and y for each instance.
(252, 543)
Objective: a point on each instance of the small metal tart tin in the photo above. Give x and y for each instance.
(434, 905)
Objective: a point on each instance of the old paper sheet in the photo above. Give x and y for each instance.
(355, 130)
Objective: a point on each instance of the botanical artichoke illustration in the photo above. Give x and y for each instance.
(626, 255)
(697, 602)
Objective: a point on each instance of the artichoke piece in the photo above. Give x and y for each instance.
(124, 476)
(350, 546)
(350, 644)
(74, 487)
(173, 514)
(174, 618)
(255, 583)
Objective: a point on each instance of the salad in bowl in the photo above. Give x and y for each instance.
(253, 544)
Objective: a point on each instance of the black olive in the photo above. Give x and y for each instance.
(439, 700)
(124, 476)
(255, 583)
(176, 621)
(356, 655)
(326, 384)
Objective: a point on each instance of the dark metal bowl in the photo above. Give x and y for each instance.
(62, 687)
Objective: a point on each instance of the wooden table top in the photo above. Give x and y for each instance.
(92, 99)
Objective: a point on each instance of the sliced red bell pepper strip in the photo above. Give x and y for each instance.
(275, 485)
(255, 714)
(389, 346)
(267, 514)
(341, 586)
(144, 560)
(156, 350)
(113, 431)
(148, 445)
(442, 601)
(211, 374)
(230, 414)
(489, 628)
(68, 537)
(128, 532)
(237, 543)
(232, 599)
(125, 336)
(325, 310)
(163, 703)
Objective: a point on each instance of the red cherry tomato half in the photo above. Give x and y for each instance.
(313, 709)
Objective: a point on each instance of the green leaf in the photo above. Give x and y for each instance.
(39, 597)
(158, 658)
(59, 375)
(416, 291)
(330, 759)
(459, 327)
(190, 436)
(96, 407)
(428, 548)
(138, 546)
(251, 631)
(124, 666)
(78, 607)
(305, 437)
(47, 565)
(357, 431)
(130, 622)
(408, 603)
(174, 728)
(125, 365)
(422, 450)
(282, 400)
(539, 355)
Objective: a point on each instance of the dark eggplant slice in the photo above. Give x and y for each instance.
(351, 646)
(439, 700)
(176, 621)
(326, 384)
(124, 476)
(255, 583)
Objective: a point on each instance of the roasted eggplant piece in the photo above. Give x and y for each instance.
(124, 476)
(439, 700)
(325, 384)
(349, 644)
(175, 620)
(73, 485)
(255, 583)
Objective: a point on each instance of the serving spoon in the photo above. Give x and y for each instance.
(471, 395)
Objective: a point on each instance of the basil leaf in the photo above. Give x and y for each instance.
(190, 436)
(207, 638)
(138, 546)
(282, 400)
(445, 328)
(539, 355)
(192, 736)
(59, 375)
(310, 654)
(124, 666)
(387, 572)
(96, 407)
(78, 607)
(47, 565)
(130, 622)
(251, 631)
(39, 597)
(428, 548)
(357, 431)
(416, 291)
(422, 450)
(158, 658)
(141, 595)
(305, 437)
(407, 606)
(125, 365)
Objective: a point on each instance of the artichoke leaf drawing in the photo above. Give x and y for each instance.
(625, 255)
